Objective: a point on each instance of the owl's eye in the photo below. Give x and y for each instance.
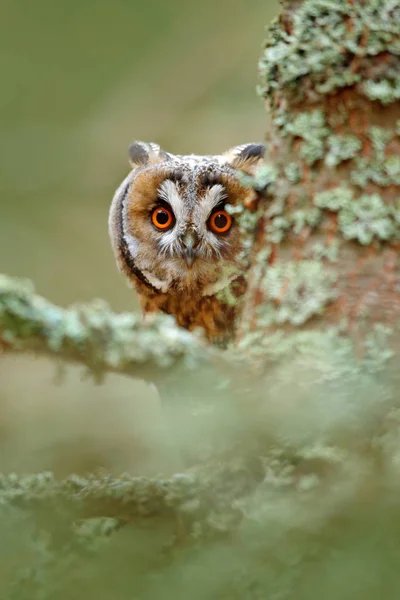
(220, 221)
(162, 218)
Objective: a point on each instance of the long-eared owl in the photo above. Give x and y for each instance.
(175, 238)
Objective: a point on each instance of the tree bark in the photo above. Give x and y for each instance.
(326, 251)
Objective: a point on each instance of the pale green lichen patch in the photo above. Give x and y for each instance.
(365, 219)
(312, 129)
(265, 175)
(247, 221)
(295, 221)
(385, 90)
(324, 39)
(276, 228)
(380, 169)
(305, 217)
(321, 251)
(340, 148)
(392, 168)
(367, 169)
(308, 124)
(294, 292)
(334, 199)
(379, 136)
(293, 172)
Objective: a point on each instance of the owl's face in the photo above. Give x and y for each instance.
(170, 223)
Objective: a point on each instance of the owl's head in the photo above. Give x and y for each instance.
(168, 224)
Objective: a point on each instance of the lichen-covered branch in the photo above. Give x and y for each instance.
(94, 336)
(133, 499)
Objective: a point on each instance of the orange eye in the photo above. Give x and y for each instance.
(220, 221)
(162, 218)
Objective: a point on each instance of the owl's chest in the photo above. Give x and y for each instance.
(216, 318)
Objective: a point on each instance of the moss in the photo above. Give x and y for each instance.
(340, 148)
(294, 292)
(323, 42)
(366, 219)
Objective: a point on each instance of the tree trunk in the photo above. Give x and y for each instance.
(327, 246)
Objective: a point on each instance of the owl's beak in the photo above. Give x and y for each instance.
(189, 253)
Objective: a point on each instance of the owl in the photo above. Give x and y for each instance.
(175, 238)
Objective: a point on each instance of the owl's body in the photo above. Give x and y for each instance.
(174, 240)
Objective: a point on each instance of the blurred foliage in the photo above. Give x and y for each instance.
(80, 80)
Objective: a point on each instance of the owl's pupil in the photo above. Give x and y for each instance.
(162, 217)
(220, 221)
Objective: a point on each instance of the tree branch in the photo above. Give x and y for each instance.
(93, 336)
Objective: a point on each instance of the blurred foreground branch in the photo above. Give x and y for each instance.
(94, 336)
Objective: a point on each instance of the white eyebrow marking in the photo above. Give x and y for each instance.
(168, 191)
(209, 201)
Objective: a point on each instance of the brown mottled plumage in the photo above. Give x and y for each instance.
(174, 240)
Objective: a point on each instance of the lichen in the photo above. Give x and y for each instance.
(379, 168)
(293, 172)
(365, 219)
(392, 168)
(369, 169)
(305, 217)
(312, 129)
(340, 148)
(306, 125)
(379, 136)
(247, 221)
(323, 42)
(385, 90)
(265, 175)
(321, 251)
(294, 292)
(275, 229)
(334, 199)
(91, 334)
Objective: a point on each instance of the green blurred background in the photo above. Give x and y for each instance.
(80, 80)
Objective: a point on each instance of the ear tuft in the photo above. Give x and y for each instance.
(143, 153)
(246, 157)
